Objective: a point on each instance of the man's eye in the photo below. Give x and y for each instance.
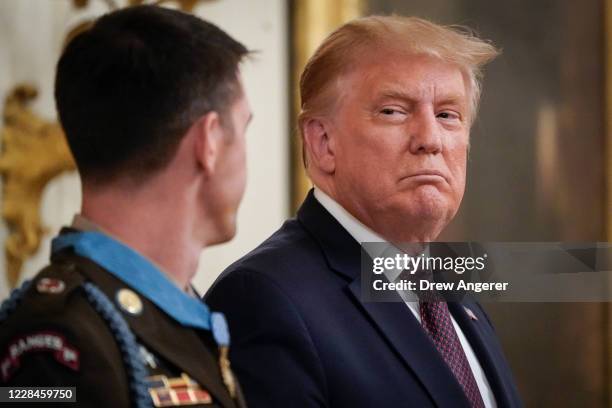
(448, 115)
(389, 111)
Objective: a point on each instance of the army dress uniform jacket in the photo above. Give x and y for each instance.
(78, 325)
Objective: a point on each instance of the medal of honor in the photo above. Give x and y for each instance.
(226, 371)
(221, 335)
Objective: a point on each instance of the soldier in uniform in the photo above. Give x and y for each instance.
(155, 115)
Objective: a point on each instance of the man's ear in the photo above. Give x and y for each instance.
(208, 133)
(319, 145)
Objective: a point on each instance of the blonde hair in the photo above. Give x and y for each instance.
(409, 35)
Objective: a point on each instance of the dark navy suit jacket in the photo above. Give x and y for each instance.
(302, 336)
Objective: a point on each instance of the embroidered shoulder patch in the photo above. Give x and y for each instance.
(42, 341)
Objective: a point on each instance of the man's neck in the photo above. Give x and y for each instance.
(160, 228)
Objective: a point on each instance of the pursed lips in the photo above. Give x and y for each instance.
(427, 174)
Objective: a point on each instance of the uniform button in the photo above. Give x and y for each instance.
(129, 301)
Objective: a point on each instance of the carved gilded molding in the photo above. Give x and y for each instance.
(608, 204)
(185, 5)
(312, 21)
(608, 71)
(34, 151)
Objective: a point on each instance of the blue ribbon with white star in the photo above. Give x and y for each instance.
(142, 275)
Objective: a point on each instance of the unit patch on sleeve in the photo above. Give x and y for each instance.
(43, 341)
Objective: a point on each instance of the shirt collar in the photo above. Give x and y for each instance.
(359, 231)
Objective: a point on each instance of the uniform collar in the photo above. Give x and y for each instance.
(138, 272)
(82, 223)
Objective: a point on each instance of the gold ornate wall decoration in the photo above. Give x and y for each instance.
(312, 21)
(185, 5)
(608, 124)
(608, 215)
(34, 151)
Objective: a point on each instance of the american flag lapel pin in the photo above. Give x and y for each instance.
(471, 314)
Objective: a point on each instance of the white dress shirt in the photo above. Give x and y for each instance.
(362, 233)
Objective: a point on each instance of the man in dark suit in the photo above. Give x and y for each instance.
(387, 104)
(155, 115)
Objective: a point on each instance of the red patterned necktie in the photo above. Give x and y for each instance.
(436, 320)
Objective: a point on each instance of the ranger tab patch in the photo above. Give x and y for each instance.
(43, 341)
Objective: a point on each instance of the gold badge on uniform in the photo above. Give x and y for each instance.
(178, 391)
(129, 301)
(226, 371)
(218, 326)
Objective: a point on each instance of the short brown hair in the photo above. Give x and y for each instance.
(129, 87)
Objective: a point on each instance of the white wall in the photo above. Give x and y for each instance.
(261, 26)
(31, 35)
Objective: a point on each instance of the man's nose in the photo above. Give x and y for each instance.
(425, 137)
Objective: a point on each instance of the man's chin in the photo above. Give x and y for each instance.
(428, 201)
(425, 219)
(225, 232)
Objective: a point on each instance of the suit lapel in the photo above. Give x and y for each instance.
(476, 332)
(393, 319)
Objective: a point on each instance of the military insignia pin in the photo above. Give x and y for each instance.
(50, 285)
(129, 301)
(221, 335)
(226, 371)
(470, 314)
